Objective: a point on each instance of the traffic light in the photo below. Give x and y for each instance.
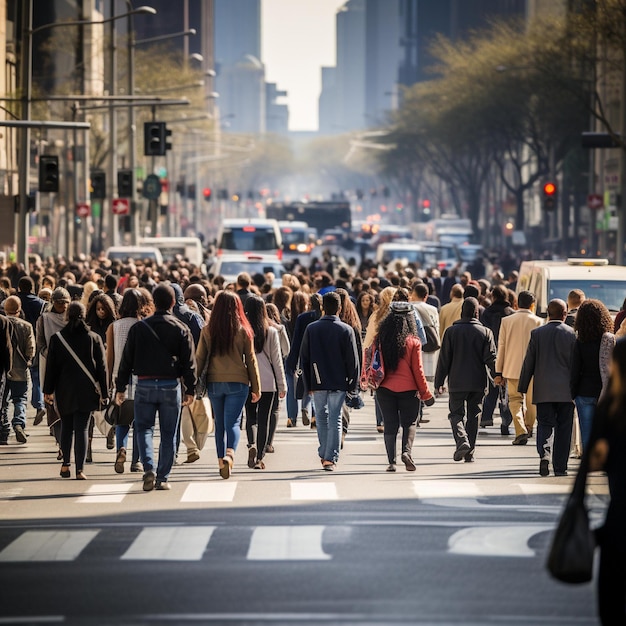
(359, 194)
(49, 173)
(155, 138)
(206, 192)
(98, 185)
(549, 196)
(222, 194)
(124, 183)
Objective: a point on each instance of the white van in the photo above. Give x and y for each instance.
(555, 279)
(137, 253)
(260, 237)
(189, 248)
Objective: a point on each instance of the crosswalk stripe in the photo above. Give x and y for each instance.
(43, 545)
(534, 489)
(313, 491)
(511, 541)
(287, 543)
(170, 543)
(99, 494)
(428, 489)
(210, 492)
(11, 492)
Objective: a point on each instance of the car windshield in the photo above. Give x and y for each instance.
(611, 293)
(249, 239)
(412, 256)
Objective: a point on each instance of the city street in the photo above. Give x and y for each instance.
(452, 543)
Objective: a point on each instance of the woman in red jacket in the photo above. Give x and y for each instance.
(404, 383)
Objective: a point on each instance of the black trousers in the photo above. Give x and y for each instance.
(489, 404)
(258, 421)
(399, 409)
(465, 405)
(554, 432)
(75, 426)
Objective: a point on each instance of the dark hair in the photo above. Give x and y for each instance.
(359, 303)
(470, 291)
(420, 290)
(131, 304)
(525, 299)
(164, 297)
(592, 321)
(76, 317)
(299, 304)
(469, 307)
(401, 295)
(499, 293)
(282, 299)
(316, 303)
(110, 282)
(26, 284)
(348, 312)
(256, 313)
(331, 303)
(91, 316)
(556, 309)
(227, 318)
(392, 335)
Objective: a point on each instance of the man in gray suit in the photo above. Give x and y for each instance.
(548, 359)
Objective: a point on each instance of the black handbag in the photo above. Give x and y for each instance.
(432, 340)
(570, 559)
(120, 415)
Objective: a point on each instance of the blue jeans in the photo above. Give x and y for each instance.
(18, 391)
(328, 418)
(36, 395)
(227, 401)
(586, 408)
(151, 396)
(121, 441)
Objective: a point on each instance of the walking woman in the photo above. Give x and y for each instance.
(300, 302)
(365, 307)
(270, 362)
(590, 361)
(607, 446)
(100, 315)
(75, 363)
(117, 334)
(404, 383)
(226, 351)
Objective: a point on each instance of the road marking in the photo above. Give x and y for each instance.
(534, 489)
(44, 545)
(511, 541)
(313, 491)
(179, 543)
(210, 492)
(7, 494)
(287, 543)
(102, 494)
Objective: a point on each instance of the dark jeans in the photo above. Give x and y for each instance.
(258, 421)
(554, 432)
(75, 426)
(460, 403)
(274, 415)
(490, 402)
(399, 409)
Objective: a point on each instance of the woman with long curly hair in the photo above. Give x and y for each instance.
(404, 383)
(272, 374)
(590, 361)
(607, 446)
(365, 307)
(226, 350)
(100, 315)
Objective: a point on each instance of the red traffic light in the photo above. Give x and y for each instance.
(549, 189)
(206, 192)
(426, 204)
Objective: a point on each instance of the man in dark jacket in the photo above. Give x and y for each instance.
(33, 307)
(330, 368)
(467, 351)
(159, 351)
(548, 360)
(6, 357)
(193, 320)
(491, 318)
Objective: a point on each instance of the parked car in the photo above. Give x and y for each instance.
(231, 265)
(137, 253)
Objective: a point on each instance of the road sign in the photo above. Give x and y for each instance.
(83, 209)
(152, 187)
(120, 206)
(595, 201)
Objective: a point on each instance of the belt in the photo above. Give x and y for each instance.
(156, 378)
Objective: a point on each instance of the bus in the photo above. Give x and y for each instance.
(318, 215)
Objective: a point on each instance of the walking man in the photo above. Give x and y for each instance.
(512, 344)
(467, 352)
(6, 358)
(548, 359)
(23, 344)
(330, 368)
(160, 352)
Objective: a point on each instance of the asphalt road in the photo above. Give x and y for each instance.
(452, 543)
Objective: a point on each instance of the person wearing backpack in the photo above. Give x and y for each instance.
(403, 383)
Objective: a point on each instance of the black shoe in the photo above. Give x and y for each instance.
(486, 423)
(544, 468)
(469, 457)
(461, 451)
(20, 435)
(408, 462)
(41, 413)
(504, 431)
(391, 467)
(4, 442)
(111, 439)
(520, 440)
(251, 457)
(560, 473)
(148, 481)
(162, 485)
(313, 423)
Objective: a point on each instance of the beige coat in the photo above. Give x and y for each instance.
(449, 313)
(513, 340)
